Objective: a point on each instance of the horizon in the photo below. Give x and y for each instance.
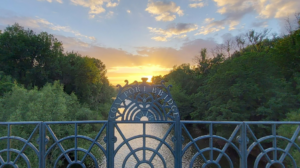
(145, 38)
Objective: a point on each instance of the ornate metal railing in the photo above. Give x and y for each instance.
(144, 130)
(63, 144)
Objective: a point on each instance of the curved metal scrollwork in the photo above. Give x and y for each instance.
(274, 155)
(140, 101)
(74, 156)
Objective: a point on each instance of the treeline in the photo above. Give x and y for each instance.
(35, 61)
(41, 82)
(252, 77)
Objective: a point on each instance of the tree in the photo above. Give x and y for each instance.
(50, 103)
(36, 59)
(6, 83)
(28, 57)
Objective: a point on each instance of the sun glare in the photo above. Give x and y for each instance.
(149, 78)
(117, 75)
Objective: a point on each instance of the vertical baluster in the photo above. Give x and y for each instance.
(110, 143)
(8, 142)
(243, 146)
(178, 142)
(42, 162)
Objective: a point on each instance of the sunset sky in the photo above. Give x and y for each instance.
(136, 38)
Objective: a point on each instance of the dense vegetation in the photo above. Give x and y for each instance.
(258, 81)
(31, 61)
(252, 77)
(41, 82)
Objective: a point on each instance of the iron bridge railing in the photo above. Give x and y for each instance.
(149, 144)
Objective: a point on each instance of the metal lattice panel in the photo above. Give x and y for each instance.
(137, 100)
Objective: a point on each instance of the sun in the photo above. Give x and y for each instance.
(149, 78)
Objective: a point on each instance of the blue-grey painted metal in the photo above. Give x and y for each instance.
(138, 102)
(63, 144)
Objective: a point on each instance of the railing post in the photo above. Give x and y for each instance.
(243, 146)
(42, 163)
(178, 143)
(110, 140)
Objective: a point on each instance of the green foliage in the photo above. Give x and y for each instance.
(288, 131)
(258, 82)
(28, 57)
(50, 103)
(86, 78)
(183, 91)
(36, 59)
(6, 83)
(38, 82)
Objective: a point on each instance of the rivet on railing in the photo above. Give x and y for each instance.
(46, 140)
(173, 139)
(114, 139)
(239, 139)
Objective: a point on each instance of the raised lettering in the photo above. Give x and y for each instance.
(154, 90)
(113, 109)
(166, 97)
(112, 115)
(160, 93)
(170, 101)
(125, 93)
(137, 89)
(173, 107)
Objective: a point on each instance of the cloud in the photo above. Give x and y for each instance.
(235, 10)
(177, 30)
(159, 38)
(164, 11)
(41, 24)
(277, 8)
(212, 27)
(109, 14)
(50, 1)
(69, 43)
(112, 4)
(197, 4)
(96, 6)
(260, 24)
(154, 60)
(128, 11)
(232, 24)
(208, 20)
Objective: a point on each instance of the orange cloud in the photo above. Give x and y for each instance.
(148, 61)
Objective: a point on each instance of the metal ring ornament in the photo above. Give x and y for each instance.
(144, 98)
(81, 162)
(73, 137)
(274, 161)
(215, 137)
(22, 155)
(141, 136)
(19, 152)
(141, 149)
(211, 162)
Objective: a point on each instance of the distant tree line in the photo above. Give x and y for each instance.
(41, 82)
(31, 60)
(251, 77)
